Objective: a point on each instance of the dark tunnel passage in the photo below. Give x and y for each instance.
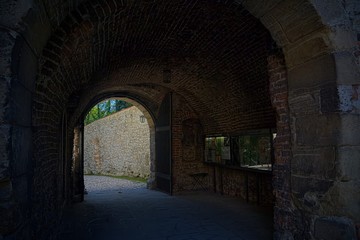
(250, 100)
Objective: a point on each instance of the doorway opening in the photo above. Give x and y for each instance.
(116, 138)
(116, 141)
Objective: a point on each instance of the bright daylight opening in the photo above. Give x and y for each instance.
(116, 142)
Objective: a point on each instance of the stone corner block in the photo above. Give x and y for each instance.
(329, 228)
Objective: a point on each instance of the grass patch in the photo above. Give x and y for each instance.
(133, 179)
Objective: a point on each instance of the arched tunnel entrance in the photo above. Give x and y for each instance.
(160, 143)
(200, 85)
(186, 156)
(116, 139)
(204, 70)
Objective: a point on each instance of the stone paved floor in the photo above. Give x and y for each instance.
(139, 213)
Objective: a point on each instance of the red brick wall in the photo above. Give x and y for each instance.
(186, 158)
(189, 159)
(230, 181)
(223, 45)
(284, 213)
(223, 78)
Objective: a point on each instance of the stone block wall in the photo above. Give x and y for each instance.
(118, 144)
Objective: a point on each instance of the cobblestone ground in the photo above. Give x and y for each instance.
(117, 209)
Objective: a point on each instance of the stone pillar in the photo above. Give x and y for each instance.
(324, 168)
(77, 165)
(20, 43)
(6, 212)
(151, 184)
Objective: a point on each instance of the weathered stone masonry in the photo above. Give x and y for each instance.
(118, 144)
(57, 56)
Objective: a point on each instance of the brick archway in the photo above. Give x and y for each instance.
(320, 48)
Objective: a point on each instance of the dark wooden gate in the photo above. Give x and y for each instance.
(163, 146)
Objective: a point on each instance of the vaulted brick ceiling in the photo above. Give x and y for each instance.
(216, 52)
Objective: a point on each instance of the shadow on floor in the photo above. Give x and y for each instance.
(150, 215)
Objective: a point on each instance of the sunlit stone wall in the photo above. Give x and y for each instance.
(118, 144)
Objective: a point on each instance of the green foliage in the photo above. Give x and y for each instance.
(219, 144)
(249, 146)
(105, 108)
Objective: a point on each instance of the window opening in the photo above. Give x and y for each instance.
(250, 149)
